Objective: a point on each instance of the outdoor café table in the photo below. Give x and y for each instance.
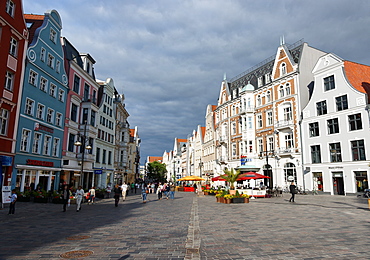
(253, 192)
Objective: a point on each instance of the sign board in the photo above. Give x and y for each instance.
(98, 171)
(6, 193)
(290, 178)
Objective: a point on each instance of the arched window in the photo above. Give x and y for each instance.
(282, 69)
(259, 102)
(281, 91)
(287, 89)
(268, 96)
(290, 170)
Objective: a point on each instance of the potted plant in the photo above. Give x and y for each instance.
(24, 196)
(40, 196)
(56, 198)
(228, 198)
(218, 196)
(231, 177)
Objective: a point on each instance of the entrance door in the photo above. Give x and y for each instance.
(338, 185)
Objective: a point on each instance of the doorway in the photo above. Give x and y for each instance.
(338, 183)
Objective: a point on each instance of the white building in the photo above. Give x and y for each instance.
(335, 128)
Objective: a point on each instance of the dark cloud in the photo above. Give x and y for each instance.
(169, 56)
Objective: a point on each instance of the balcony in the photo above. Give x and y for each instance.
(244, 110)
(222, 160)
(284, 124)
(222, 139)
(87, 157)
(89, 99)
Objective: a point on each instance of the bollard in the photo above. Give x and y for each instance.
(368, 202)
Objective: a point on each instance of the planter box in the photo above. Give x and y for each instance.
(206, 193)
(40, 200)
(57, 201)
(24, 199)
(238, 200)
(227, 201)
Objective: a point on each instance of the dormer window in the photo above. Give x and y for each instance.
(88, 67)
(282, 69)
(267, 78)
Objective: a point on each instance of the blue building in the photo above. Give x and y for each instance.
(41, 125)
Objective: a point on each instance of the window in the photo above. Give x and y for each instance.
(250, 124)
(74, 113)
(358, 150)
(104, 156)
(288, 113)
(52, 90)
(269, 118)
(55, 150)
(281, 91)
(110, 157)
(85, 115)
(289, 141)
(315, 154)
(341, 103)
(335, 152)
(57, 67)
(234, 149)
(53, 35)
(50, 61)
(97, 158)
(268, 96)
(32, 79)
(4, 117)
(234, 128)
(9, 80)
(43, 84)
(287, 90)
(10, 7)
(36, 143)
(58, 119)
(271, 144)
(321, 108)
(61, 95)
(47, 145)
(259, 121)
(283, 69)
(92, 120)
(29, 107)
(50, 115)
(314, 129)
(267, 78)
(333, 126)
(71, 142)
(259, 100)
(76, 84)
(13, 47)
(329, 83)
(86, 92)
(260, 145)
(42, 54)
(355, 122)
(25, 140)
(290, 170)
(40, 111)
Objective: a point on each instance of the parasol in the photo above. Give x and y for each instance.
(191, 178)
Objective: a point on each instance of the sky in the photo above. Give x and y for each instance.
(169, 57)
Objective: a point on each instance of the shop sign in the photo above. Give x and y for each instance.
(39, 127)
(39, 163)
(244, 159)
(6, 160)
(98, 171)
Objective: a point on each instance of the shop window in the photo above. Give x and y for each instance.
(290, 170)
(361, 180)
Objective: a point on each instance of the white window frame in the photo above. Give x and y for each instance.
(61, 95)
(52, 90)
(25, 140)
(281, 91)
(269, 117)
(58, 119)
(259, 121)
(47, 145)
(287, 90)
(4, 120)
(13, 49)
(9, 80)
(289, 141)
(56, 144)
(43, 84)
(288, 113)
(40, 113)
(10, 7)
(50, 61)
(32, 79)
(42, 54)
(53, 35)
(283, 70)
(37, 139)
(29, 107)
(50, 115)
(57, 67)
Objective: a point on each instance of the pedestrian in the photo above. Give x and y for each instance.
(144, 192)
(117, 191)
(159, 191)
(132, 187)
(292, 189)
(13, 200)
(92, 195)
(168, 189)
(65, 196)
(195, 188)
(135, 187)
(152, 186)
(172, 191)
(79, 195)
(164, 190)
(124, 188)
(109, 190)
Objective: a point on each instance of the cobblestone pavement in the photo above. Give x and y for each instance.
(189, 227)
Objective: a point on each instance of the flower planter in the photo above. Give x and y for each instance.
(40, 200)
(72, 201)
(57, 201)
(217, 199)
(227, 201)
(24, 199)
(222, 199)
(238, 200)
(206, 193)
(246, 200)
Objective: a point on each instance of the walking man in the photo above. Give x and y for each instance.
(65, 197)
(124, 190)
(79, 194)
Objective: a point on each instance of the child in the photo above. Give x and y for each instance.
(13, 199)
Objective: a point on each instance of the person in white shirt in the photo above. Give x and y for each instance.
(124, 189)
(79, 195)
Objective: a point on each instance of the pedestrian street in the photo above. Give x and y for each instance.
(189, 227)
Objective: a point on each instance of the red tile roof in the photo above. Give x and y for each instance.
(36, 20)
(132, 132)
(359, 76)
(155, 159)
(182, 140)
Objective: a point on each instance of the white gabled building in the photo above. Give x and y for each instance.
(335, 128)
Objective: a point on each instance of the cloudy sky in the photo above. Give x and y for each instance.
(169, 56)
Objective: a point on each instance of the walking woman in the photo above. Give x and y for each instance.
(292, 189)
(159, 191)
(117, 191)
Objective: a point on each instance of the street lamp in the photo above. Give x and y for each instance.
(82, 143)
(268, 166)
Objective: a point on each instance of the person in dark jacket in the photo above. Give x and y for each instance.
(292, 189)
(117, 192)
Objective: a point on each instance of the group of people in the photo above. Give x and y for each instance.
(79, 194)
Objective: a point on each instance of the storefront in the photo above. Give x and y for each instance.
(338, 183)
(32, 178)
(317, 181)
(361, 181)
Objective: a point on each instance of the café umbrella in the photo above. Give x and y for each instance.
(251, 176)
(191, 178)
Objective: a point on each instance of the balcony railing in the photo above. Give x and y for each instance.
(249, 109)
(89, 98)
(284, 123)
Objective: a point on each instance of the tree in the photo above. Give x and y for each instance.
(157, 171)
(231, 177)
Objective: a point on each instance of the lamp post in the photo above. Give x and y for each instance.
(82, 143)
(268, 166)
